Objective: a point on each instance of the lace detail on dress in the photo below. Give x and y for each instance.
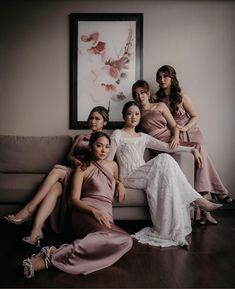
(169, 194)
(149, 236)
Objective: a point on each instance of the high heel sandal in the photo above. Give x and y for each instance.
(209, 218)
(198, 218)
(12, 219)
(200, 221)
(45, 254)
(32, 241)
(226, 200)
(28, 264)
(209, 207)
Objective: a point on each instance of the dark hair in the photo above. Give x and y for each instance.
(102, 111)
(93, 139)
(96, 135)
(127, 105)
(143, 84)
(175, 94)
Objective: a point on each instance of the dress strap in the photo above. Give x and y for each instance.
(104, 170)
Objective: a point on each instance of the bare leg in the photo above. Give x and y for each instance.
(56, 175)
(197, 214)
(45, 209)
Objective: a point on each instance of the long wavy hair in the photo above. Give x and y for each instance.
(175, 96)
(89, 155)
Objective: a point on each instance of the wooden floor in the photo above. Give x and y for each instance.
(209, 262)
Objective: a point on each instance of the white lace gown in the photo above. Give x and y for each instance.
(169, 194)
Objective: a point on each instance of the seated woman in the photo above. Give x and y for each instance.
(157, 121)
(169, 194)
(42, 205)
(102, 243)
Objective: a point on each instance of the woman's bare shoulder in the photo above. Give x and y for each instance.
(110, 163)
(185, 97)
(159, 106)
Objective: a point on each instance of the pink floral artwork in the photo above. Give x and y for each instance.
(106, 64)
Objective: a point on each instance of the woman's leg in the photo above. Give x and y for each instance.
(45, 209)
(169, 196)
(57, 174)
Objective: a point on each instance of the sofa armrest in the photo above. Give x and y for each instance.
(186, 162)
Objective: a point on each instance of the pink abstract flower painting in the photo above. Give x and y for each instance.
(106, 64)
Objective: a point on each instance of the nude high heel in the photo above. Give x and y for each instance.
(12, 219)
(210, 219)
(226, 200)
(207, 205)
(32, 241)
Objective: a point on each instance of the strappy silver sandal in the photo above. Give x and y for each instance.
(30, 273)
(45, 253)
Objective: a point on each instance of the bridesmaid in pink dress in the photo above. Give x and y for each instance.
(180, 128)
(51, 198)
(102, 243)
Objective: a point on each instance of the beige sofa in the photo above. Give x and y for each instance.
(25, 161)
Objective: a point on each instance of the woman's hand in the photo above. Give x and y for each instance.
(120, 191)
(182, 128)
(174, 143)
(198, 158)
(101, 217)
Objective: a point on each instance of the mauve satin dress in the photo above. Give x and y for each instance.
(100, 246)
(206, 178)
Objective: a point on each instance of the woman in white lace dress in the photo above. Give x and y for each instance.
(169, 194)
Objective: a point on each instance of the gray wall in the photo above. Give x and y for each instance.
(196, 37)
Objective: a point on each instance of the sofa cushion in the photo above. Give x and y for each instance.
(131, 213)
(134, 198)
(18, 188)
(32, 154)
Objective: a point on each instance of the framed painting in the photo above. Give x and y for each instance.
(105, 60)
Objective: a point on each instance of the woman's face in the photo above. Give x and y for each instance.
(142, 96)
(100, 148)
(132, 116)
(96, 121)
(164, 80)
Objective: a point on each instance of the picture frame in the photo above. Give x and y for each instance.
(106, 51)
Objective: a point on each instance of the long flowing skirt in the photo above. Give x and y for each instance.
(169, 196)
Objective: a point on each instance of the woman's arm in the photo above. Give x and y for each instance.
(114, 145)
(71, 158)
(120, 189)
(158, 145)
(192, 112)
(171, 124)
(77, 182)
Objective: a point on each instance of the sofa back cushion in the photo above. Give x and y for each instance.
(32, 154)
